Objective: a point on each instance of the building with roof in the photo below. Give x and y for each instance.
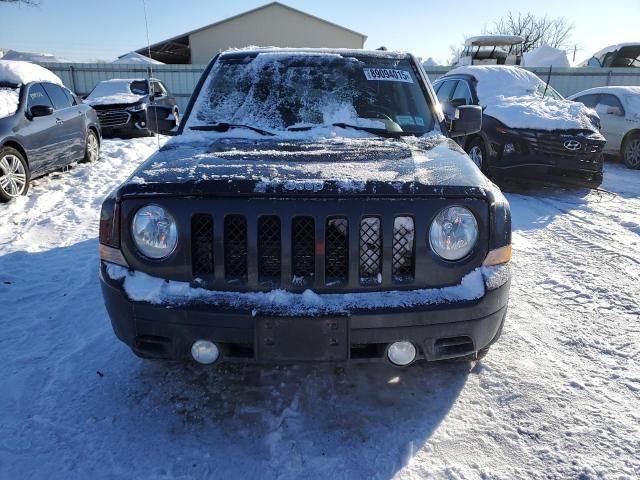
(273, 24)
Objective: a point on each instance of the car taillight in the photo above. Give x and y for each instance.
(110, 222)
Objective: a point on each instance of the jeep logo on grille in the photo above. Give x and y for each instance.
(572, 145)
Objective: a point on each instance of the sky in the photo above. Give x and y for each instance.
(85, 30)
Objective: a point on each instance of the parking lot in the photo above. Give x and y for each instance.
(556, 397)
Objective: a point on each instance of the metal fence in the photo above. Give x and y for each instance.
(182, 79)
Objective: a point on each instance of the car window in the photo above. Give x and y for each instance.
(588, 100)
(447, 88)
(72, 98)
(607, 102)
(462, 92)
(38, 96)
(58, 97)
(158, 89)
(139, 87)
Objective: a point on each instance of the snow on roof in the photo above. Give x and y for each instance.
(33, 57)
(610, 48)
(485, 40)
(546, 56)
(513, 95)
(134, 57)
(629, 95)
(24, 72)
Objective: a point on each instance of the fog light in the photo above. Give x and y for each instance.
(401, 353)
(204, 351)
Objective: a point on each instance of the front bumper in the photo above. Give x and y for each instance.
(442, 330)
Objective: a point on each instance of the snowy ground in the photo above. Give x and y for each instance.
(557, 397)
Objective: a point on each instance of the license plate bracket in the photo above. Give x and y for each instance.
(300, 339)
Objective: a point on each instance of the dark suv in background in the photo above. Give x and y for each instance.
(529, 131)
(122, 104)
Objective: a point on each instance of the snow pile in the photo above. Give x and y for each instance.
(33, 57)
(24, 72)
(113, 91)
(136, 58)
(546, 56)
(514, 96)
(145, 288)
(430, 62)
(9, 101)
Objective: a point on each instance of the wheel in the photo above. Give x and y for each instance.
(478, 153)
(631, 152)
(14, 174)
(92, 147)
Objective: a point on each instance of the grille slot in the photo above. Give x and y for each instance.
(303, 249)
(202, 245)
(337, 251)
(370, 251)
(269, 249)
(403, 266)
(235, 249)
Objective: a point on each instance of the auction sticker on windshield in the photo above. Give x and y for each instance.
(387, 74)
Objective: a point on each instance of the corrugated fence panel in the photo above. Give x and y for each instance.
(182, 79)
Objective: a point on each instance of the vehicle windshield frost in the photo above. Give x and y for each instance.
(109, 88)
(277, 92)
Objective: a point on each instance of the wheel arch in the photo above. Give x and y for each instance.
(15, 145)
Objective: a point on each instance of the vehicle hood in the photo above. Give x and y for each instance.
(536, 113)
(338, 166)
(121, 99)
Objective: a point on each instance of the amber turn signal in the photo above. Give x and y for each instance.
(498, 256)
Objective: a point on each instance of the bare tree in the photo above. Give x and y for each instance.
(536, 31)
(31, 3)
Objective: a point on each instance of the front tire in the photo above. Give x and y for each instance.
(92, 147)
(14, 174)
(631, 152)
(478, 153)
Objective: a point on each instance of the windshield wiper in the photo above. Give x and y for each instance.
(225, 127)
(381, 132)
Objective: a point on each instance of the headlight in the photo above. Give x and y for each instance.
(137, 108)
(453, 233)
(154, 232)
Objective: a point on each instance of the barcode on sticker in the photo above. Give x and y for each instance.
(387, 74)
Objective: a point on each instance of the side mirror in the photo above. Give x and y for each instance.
(458, 102)
(160, 119)
(617, 111)
(40, 111)
(467, 120)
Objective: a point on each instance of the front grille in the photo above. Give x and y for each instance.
(553, 145)
(303, 249)
(202, 245)
(403, 246)
(370, 251)
(269, 249)
(113, 118)
(235, 248)
(337, 251)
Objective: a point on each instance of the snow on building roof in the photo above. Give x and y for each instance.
(134, 57)
(33, 57)
(24, 72)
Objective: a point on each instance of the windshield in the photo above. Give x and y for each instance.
(284, 91)
(119, 87)
(542, 90)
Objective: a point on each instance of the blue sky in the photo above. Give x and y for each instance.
(87, 30)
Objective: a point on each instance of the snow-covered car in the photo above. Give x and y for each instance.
(122, 104)
(619, 111)
(528, 130)
(43, 127)
(311, 207)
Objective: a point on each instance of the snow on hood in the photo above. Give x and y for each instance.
(513, 96)
(347, 165)
(9, 101)
(12, 71)
(114, 91)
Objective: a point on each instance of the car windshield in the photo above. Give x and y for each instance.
(284, 91)
(544, 90)
(9, 100)
(119, 87)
